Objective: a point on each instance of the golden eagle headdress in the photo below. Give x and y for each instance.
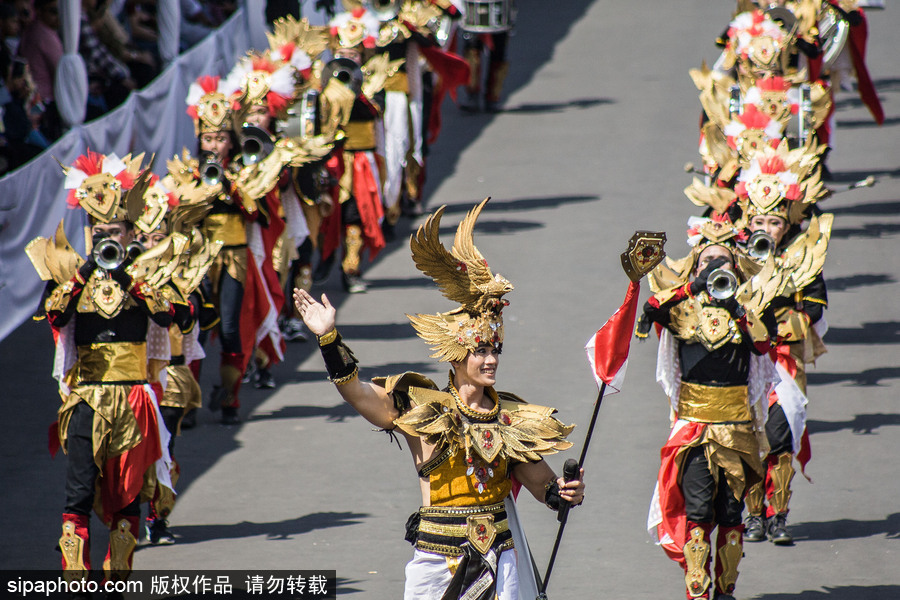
(463, 276)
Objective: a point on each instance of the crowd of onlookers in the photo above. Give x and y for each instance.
(118, 42)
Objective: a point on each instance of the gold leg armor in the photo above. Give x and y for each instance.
(72, 547)
(782, 474)
(122, 542)
(353, 243)
(696, 557)
(756, 499)
(728, 557)
(473, 57)
(496, 77)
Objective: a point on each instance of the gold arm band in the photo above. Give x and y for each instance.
(708, 404)
(329, 337)
(346, 378)
(814, 300)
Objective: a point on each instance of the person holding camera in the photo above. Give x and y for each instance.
(715, 333)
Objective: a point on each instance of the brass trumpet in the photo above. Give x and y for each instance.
(256, 144)
(760, 246)
(346, 71)
(721, 284)
(108, 254)
(211, 171)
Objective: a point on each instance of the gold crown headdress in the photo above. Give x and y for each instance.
(261, 80)
(209, 105)
(110, 189)
(781, 182)
(463, 276)
(758, 42)
(357, 27)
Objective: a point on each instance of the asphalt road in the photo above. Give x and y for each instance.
(599, 119)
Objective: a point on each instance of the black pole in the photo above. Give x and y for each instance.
(542, 592)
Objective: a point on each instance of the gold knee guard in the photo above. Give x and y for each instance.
(728, 558)
(473, 57)
(782, 474)
(755, 499)
(121, 548)
(353, 243)
(696, 557)
(72, 547)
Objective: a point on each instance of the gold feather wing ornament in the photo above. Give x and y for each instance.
(804, 258)
(195, 262)
(54, 259)
(433, 418)
(462, 274)
(376, 72)
(156, 266)
(717, 198)
(758, 291)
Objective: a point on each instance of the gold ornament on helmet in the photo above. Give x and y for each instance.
(463, 275)
(110, 189)
(209, 105)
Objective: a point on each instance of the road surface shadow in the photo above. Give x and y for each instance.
(275, 531)
(338, 413)
(860, 424)
(869, 230)
(840, 284)
(517, 204)
(870, 208)
(886, 332)
(866, 378)
(556, 107)
(844, 592)
(847, 529)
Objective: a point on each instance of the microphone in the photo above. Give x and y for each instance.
(570, 472)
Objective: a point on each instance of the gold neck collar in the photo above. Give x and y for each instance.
(475, 415)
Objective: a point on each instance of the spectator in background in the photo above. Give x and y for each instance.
(42, 48)
(10, 28)
(104, 18)
(107, 75)
(22, 116)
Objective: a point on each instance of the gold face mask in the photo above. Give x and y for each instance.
(99, 195)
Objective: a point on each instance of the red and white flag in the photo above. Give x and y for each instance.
(607, 350)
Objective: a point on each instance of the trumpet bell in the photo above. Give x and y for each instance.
(108, 254)
(211, 171)
(384, 10)
(346, 71)
(721, 284)
(760, 246)
(256, 144)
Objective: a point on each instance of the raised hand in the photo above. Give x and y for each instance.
(319, 317)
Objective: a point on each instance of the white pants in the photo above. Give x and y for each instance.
(427, 576)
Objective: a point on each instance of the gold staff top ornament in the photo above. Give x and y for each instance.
(645, 251)
(463, 276)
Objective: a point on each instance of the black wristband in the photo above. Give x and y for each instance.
(339, 360)
(551, 497)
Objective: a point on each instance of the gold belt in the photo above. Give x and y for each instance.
(710, 404)
(444, 530)
(397, 82)
(112, 361)
(227, 227)
(360, 135)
